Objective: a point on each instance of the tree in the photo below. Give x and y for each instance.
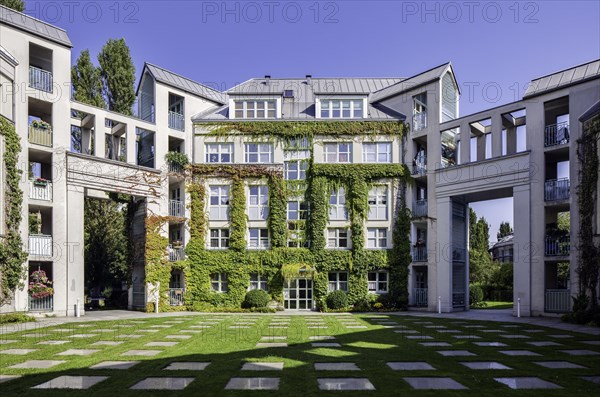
(472, 225)
(504, 230)
(86, 80)
(118, 76)
(17, 5)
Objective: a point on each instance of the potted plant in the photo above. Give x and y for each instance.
(39, 181)
(177, 158)
(41, 124)
(177, 244)
(39, 285)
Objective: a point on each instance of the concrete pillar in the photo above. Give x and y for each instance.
(99, 140)
(497, 135)
(443, 252)
(131, 145)
(481, 147)
(465, 144)
(74, 249)
(511, 140)
(522, 265)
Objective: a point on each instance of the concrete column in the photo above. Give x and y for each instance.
(522, 265)
(443, 253)
(465, 144)
(131, 145)
(496, 135)
(481, 147)
(74, 250)
(511, 140)
(99, 143)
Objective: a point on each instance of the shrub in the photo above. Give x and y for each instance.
(256, 298)
(378, 306)
(362, 305)
(337, 300)
(15, 318)
(476, 295)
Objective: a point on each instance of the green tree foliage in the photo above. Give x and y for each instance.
(563, 220)
(18, 5)
(86, 80)
(118, 75)
(504, 230)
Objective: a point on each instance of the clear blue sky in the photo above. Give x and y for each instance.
(496, 47)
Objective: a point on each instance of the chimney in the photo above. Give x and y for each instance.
(267, 78)
(308, 78)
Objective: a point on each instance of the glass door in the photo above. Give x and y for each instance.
(297, 294)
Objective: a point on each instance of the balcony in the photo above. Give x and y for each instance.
(420, 209)
(40, 79)
(176, 121)
(175, 167)
(45, 304)
(175, 253)
(176, 208)
(40, 134)
(40, 189)
(557, 189)
(40, 245)
(419, 121)
(557, 246)
(419, 254)
(420, 296)
(556, 134)
(176, 296)
(419, 170)
(557, 300)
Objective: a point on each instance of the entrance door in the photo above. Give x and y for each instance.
(297, 294)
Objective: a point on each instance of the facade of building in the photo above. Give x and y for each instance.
(298, 185)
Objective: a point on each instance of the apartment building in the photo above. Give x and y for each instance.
(266, 155)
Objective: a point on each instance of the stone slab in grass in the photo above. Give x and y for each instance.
(319, 327)
(160, 326)
(271, 344)
(40, 335)
(449, 331)
(253, 384)
(514, 336)
(518, 353)
(53, 342)
(130, 336)
(262, 366)
(190, 331)
(466, 337)
(423, 322)
(356, 326)
(145, 353)
(78, 352)
(18, 352)
(321, 337)
(387, 323)
(580, 352)
(114, 365)
(187, 366)
(473, 326)
(345, 384)
(151, 331)
(278, 326)
(492, 331)
(268, 338)
(174, 322)
(407, 331)
(71, 382)
(455, 353)
(7, 378)
(162, 383)
(527, 383)
(533, 331)
(435, 344)
(558, 364)
(511, 326)
(544, 343)
(80, 336)
(239, 327)
(484, 365)
(7, 341)
(336, 367)
(435, 326)
(490, 344)
(161, 344)
(593, 379)
(426, 383)
(561, 336)
(419, 337)
(587, 342)
(200, 326)
(411, 366)
(178, 336)
(394, 326)
(326, 344)
(38, 364)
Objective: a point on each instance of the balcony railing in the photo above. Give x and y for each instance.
(557, 300)
(40, 190)
(40, 136)
(40, 245)
(176, 208)
(40, 79)
(45, 304)
(420, 208)
(176, 296)
(419, 169)
(176, 253)
(420, 295)
(556, 134)
(419, 121)
(176, 121)
(419, 254)
(557, 246)
(174, 167)
(557, 189)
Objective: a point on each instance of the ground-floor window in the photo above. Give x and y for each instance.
(258, 281)
(378, 282)
(218, 282)
(338, 281)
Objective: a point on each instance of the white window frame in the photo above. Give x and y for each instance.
(337, 205)
(375, 237)
(260, 241)
(223, 241)
(377, 153)
(250, 108)
(301, 168)
(300, 212)
(258, 203)
(378, 281)
(378, 203)
(258, 281)
(296, 235)
(338, 283)
(341, 108)
(262, 149)
(219, 152)
(334, 238)
(219, 282)
(332, 153)
(220, 210)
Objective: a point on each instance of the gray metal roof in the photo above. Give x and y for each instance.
(410, 83)
(8, 56)
(183, 83)
(592, 111)
(34, 26)
(563, 78)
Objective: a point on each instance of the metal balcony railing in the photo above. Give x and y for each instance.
(176, 121)
(420, 295)
(45, 304)
(556, 134)
(419, 121)
(40, 245)
(557, 246)
(420, 208)
(419, 169)
(557, 300)
(176, 253)
(176, 208)
(40, 136)
(557, 189)
(40, 79)
(174, 167)
(419, 254)
(176, 296)
(40, 189)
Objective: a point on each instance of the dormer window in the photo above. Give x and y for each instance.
(342, 109)
(255, 109)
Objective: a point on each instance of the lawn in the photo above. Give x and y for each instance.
(370, 342)
(494, 305)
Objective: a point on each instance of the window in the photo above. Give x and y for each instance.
(219, 203)
(218, 282)
(449, 147)
(341, 108)
(377, 152)
(258, 281)
(338, 281)
(378, 282)
(419, 112)
(338, 152)
(259, 238)
(338, 238)
(337, 205)
(377, 238)
(258, 203)
(219, 238)
(219, 152)
(255, 109)
(378, 200)
(296, 210)
(296, 235)
(261, 153)
(295, 170)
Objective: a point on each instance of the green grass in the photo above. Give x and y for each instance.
(227, 349)
(494, 305)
